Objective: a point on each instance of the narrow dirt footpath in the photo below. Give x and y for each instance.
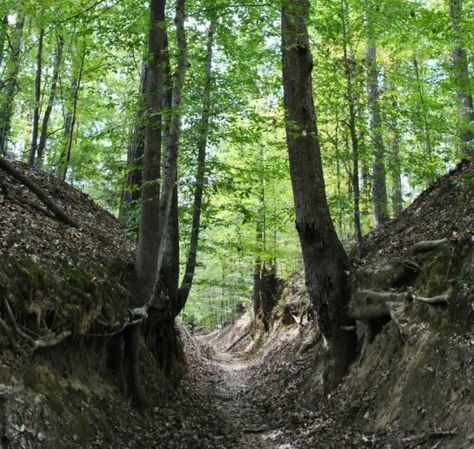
(234, 399)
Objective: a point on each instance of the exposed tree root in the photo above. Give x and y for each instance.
(427, 245)
(421, 438)
(45, 342)
(440, 299)
(39, 192)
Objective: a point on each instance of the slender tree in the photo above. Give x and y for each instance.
(326, 263)
(203, 128)
(51, 99)
(463, 83)
(70, 119)
(351, 101)
(379, 188)
(36, 109)
(10, 83)
(131, 190)
(3, 37)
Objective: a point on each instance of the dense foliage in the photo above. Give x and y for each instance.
(97, 47)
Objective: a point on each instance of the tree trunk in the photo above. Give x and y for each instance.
(148, 238)
(201, 168)
(424, 114)
(36, 111)
(3, 38)
(325, 260)
(166, 304)
(379, 189)
(461, 76)
(131, 191)
(351, 100)
(10, 86)
(52, 97)
(70, 121)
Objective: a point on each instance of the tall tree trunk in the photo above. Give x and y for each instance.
(52, 97)
(166, 304)
(461, 76)
(424, 114)
(36, 111)
(201, 168)
(70, 121)
(10, 84)
(148, 238)
(131, 191)
(325, 260)
(3, 38)
(379, 188)
(397, 197)
(351, 100)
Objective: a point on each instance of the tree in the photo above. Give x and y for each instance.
(12, 69)
(36, 113)
(379, 189)
(148, 241)
(325, 261)
(203, 129)
(51, 99)
(463, 84)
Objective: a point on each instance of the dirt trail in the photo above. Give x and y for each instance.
(234, 396)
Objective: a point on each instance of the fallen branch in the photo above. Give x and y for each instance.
(39, 192)
(238, 341)
(427, 245)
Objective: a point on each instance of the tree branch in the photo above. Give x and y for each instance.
(39, 192)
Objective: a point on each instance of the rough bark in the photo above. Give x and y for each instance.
(36, 109)
(148, 240)
(201, 168)
(379, 188)
(326, 263)
(461, 76)
(10, 84)
(52, 97)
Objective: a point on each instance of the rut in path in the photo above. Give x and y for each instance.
(234, 398)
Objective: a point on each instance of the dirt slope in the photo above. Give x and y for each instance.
(413, 387)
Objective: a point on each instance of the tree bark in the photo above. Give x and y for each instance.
(379, 189)
(10, 86)
(325, 260)
(52, 97)
(148, 238)
(461, 76)
(203, 127)
(36, 111)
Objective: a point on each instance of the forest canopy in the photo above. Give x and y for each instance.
(391, 86)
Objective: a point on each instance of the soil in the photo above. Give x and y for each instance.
(243, 388)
